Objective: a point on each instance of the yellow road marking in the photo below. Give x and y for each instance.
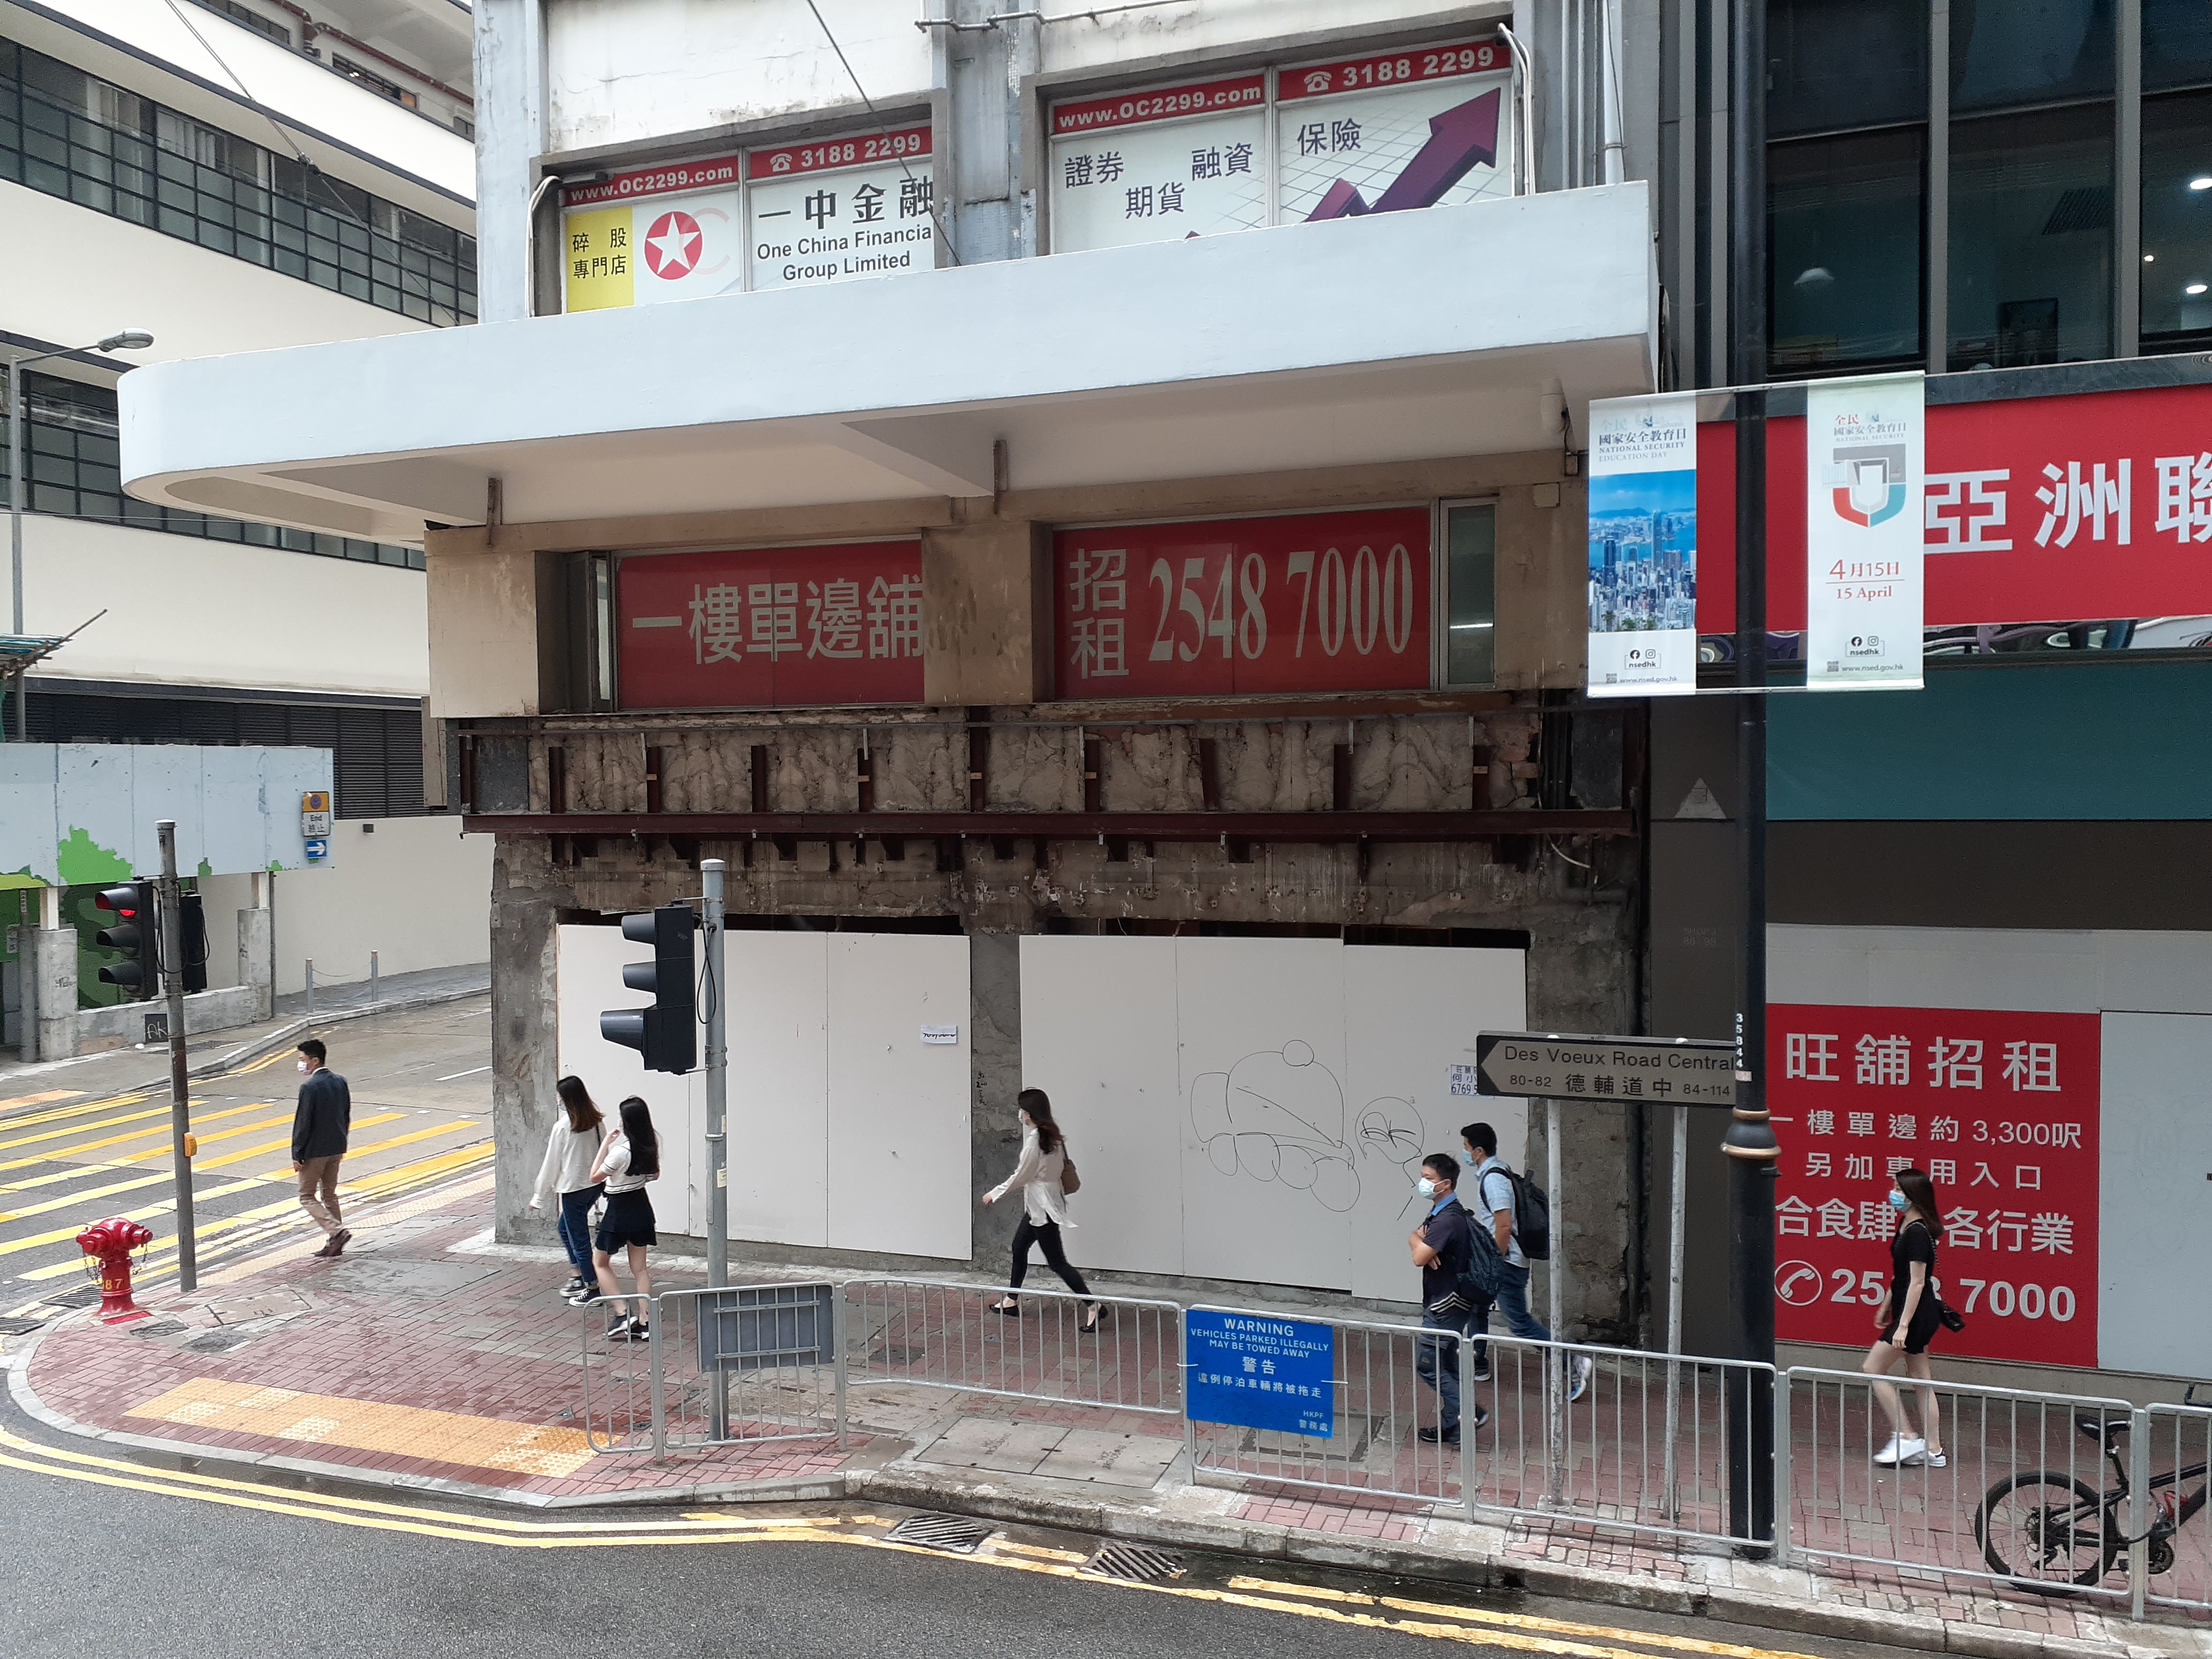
(162, 1113)
(459, 1158)
(39, 1100)
(56, 1270)
(327, 1420)
(352, 1153)
(1002, 1545)
(161, 1151)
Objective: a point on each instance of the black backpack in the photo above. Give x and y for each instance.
(1532, 1216)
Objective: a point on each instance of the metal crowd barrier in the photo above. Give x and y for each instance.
(1378, 1404)
(621, 1379)
(2171, 1467)
(2020, 1498)
(933, 1334)
(750, 1363)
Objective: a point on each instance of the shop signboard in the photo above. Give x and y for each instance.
(839, 209)
(1398, 130)
(1864, 471)
(2092, 512)
(1642, 546)
(652, 234)
(769, 627)
(1306, 602)
(1160, 165)
(2001, 1109)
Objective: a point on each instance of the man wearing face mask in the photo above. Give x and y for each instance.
(318, 1141)
(1442, 1245)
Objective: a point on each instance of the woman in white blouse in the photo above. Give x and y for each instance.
(1041, 1175)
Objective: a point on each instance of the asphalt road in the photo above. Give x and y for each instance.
(109, 1556)
(84, 1141)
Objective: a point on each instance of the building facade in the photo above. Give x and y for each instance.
(230, 178)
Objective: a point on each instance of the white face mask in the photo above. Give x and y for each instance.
(303, 1064)
(1426, 1188)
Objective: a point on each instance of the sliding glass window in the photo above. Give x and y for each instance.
(2032, 238)
(1844, 224)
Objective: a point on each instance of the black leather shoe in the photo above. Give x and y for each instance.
(1448, 1437)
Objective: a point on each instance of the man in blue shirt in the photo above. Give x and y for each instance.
(1442, 1246)
(1492, 1193)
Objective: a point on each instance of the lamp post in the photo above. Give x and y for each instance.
(129, 339)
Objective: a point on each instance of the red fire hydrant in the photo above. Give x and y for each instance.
(110, 1243)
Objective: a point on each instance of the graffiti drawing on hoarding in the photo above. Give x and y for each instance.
(1279, 1115)
(1999, 1108)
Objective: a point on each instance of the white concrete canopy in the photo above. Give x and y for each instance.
(1414, 335)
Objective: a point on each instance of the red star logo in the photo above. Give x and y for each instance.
(673, 246)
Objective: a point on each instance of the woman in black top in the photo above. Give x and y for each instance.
(1909, 1315)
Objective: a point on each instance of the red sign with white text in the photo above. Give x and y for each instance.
(2000, 1110)
(2037, 508)
(720, 170)
(1315, 602)
(769, 627)
(1169, 104)
(1389, 69)
(862, 150)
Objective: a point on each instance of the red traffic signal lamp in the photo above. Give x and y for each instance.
(134, 934)
(667, 1033)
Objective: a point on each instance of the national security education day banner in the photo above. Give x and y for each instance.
(1643, 546)
(1864, 532)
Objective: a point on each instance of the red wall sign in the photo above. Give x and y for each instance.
(1169, 104)
(1389, 69)
(780, 627)
(2000, 1110)
(862, 150)
(2038, 509)
(1316, 602)
(654, 181)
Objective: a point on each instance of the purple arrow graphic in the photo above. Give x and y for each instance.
(1460, 138)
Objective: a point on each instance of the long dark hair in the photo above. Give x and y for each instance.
(1038, 1105)
(576, 1100)
(644, 1145)
(1920, 1192)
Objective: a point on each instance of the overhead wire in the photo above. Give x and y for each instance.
(306, 162)
(883, 130)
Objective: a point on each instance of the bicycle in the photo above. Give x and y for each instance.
(2054, 1523)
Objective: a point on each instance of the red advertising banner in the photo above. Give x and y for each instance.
(2000, 1110)
(862, 150)
(1389, 69)
(1314, 602)
(654, 181)
(1168, 104)
(2037, 510)
(769, 627)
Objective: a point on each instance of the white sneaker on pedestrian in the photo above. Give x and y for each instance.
(1901, 1448)
(1923, 1459)
(1578, 1375)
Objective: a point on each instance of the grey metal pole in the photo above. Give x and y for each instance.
(15, 534)
(1677, 1210)
(310, 988)
(180, 1110)
(372, 976)
(1555, 1381)
(716, 1018)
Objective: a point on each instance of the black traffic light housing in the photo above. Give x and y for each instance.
(193, 935)
(136, 934)
(666, 1033)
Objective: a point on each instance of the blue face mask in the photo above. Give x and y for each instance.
(1425, 1188)
(1897, 1199)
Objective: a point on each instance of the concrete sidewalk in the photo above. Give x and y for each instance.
(427, 1358)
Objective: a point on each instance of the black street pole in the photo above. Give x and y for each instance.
(1750, 1143)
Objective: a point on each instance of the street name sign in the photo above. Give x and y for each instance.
(1667, 1070)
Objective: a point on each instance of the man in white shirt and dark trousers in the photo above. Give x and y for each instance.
(1490, 1201)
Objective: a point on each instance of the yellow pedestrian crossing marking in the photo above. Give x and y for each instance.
(159, 1128)
(327, 1420)
(34, 1240)
(38, 1100)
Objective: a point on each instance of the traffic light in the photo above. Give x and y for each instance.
(135, 935)
(193, 933)
(666, 1033)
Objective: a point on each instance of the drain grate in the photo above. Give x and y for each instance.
(890, 1355)
(220, 1341)
(18, 1326)
(83, 1298)
(1139, 1563)
(960, 1534)
(159, 1327)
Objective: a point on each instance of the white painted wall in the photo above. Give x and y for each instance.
(415, 891)
(323, 102)
(196, 302)
(1258, 1109)
(846, 1129)
(182, 610)
(622, 72)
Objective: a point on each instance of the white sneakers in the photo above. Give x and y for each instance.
(1579, 1376)
(1910, 1451)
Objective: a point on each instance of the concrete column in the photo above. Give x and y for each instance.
(253, 960)
(52, 965)
(525, 1041)
(994, 1000)
(510, 117)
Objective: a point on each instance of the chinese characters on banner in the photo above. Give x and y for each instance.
(1312, 602)
(2036, 509)
(1863, 610)
(1360, 135)
(1642, 546)
(769, 627)
(2000, 1110)
(1160, 165)
(1404, 129)
(840, 209)
(652, 235)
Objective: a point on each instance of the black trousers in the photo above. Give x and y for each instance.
(1030, 1233)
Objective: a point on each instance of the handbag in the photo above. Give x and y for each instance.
(1070, 1183)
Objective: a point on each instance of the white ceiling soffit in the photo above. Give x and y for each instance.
(1410, 335)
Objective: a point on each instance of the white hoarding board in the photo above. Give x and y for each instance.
(1864, 604)
(1642, 546)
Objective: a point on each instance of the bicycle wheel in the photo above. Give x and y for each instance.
(2046, 1528)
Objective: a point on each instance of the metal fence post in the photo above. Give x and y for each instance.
(837, 1337)
(310, 988)
(660, 1394)
(2139, 1508)
(372, 976)
(1782, 1495)
(1467, 1437)
(1182, 1384)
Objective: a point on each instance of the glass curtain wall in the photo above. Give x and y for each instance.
(2175, 270)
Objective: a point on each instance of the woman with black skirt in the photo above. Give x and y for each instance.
(1911, 1313)
(1041, 1175)
(629, 1158)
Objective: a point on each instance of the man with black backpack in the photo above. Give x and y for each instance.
(1505, 1208)
(1442, 1247)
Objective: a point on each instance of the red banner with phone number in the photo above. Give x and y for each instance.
(1310, 602)
(2001, 1109)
